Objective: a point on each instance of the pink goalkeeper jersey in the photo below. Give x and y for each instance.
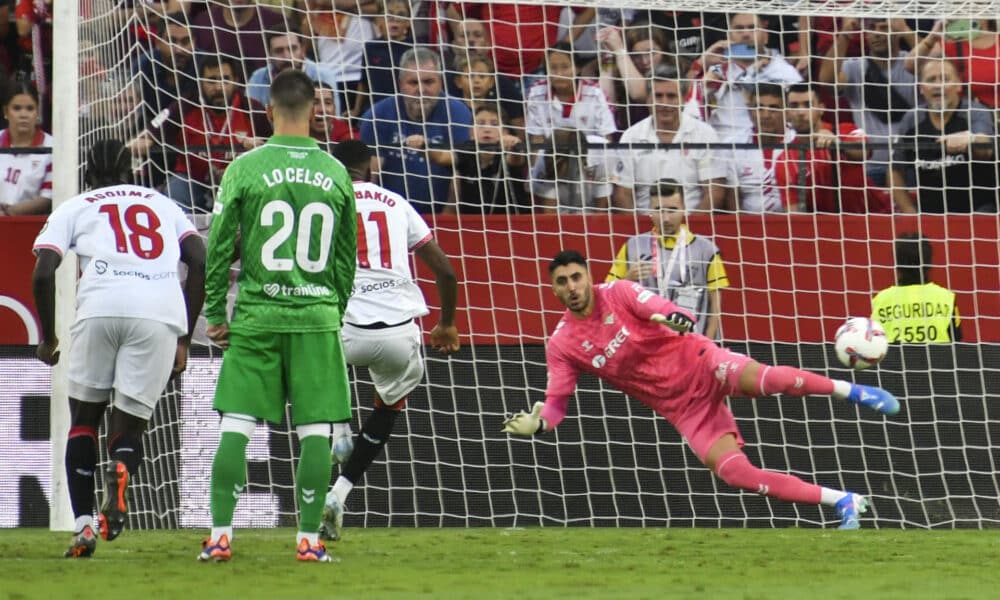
(619, 344)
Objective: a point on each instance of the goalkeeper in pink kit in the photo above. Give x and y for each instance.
(635, 340)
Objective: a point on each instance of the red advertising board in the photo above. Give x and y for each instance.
(792, 277)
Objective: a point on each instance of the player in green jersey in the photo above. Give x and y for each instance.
(287, 207)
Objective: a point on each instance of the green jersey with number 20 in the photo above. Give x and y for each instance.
(290, 205)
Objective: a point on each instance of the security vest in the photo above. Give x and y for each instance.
(915, 314)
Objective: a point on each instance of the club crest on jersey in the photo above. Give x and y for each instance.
(609, 319)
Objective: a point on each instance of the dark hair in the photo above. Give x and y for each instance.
(665, 188)
(280, 31)
(803, 88)
(354, 154)
(216, 61)
(913, 259)
(768, 89)
(108, 162)
(567, 257)
(19, 87)
(292, 92)
(493, 108)
(564, 145)
(665, 72)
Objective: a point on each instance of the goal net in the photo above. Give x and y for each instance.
(788, 188)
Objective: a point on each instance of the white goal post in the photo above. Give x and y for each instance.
(612, 462)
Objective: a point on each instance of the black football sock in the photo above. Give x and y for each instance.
(126, 447)
(81, 461)
(369, 442)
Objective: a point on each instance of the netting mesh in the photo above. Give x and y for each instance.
(531, 138)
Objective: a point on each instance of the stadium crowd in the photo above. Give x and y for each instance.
(511, 108)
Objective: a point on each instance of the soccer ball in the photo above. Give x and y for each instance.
(861, 343)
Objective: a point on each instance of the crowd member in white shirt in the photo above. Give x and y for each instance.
(560, 101)
(732, 68)
(379, 331)
(699, 170)
(133, 327)
(25, 178)
(752, 171)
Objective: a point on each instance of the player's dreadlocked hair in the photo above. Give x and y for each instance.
(567, 257)
(109, 162)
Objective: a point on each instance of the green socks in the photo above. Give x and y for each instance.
(312, 480)
(229, 475)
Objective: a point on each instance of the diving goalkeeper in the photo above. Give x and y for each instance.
(635, 340)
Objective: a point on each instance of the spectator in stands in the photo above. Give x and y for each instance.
(628, 57)
(937, 148)
(477, 83)
(325, 125)
(470, 37)
(26, 185)
(380, 60)
(674, 262)
(285, 50)
(402, 128)
(34, 32)
(237, 32)
(699, 170)
(489, 168)
(520, 33)
(733, 67)
(339, 36)
(561, 102)
(224, 124)
(570, 178)
(823, 178)
(877, 84)
(916, 310)
(974, 46)
(752, 171)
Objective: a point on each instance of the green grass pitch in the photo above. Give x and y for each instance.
(516, 563)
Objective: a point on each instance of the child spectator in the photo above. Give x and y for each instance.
(25, 179)
(477, 83)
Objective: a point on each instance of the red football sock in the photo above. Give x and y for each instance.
(735, 469)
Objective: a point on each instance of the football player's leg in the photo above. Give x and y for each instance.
(320, 396)
(398, 371)
(757, 379)
(91, 377)
(81, 463)
(249, 388)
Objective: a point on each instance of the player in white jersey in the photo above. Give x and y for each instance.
(133, 324)
(379, 331)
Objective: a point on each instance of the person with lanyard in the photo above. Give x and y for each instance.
(916, 310)
(674, 262)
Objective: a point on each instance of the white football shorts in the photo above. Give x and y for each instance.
(133, 357)
(392, 356)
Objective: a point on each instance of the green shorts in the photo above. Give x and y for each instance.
(261, 370)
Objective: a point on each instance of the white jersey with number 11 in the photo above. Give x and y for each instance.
(389, 228)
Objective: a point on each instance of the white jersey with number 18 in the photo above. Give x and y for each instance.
(389, 228)
(128, 240)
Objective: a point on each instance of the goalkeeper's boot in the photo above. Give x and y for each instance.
(307, 553)
(84, 543)
(873, 398)
(111, 521)
(341, 449)
(849, 509)
(217, 550)
(333, 518)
